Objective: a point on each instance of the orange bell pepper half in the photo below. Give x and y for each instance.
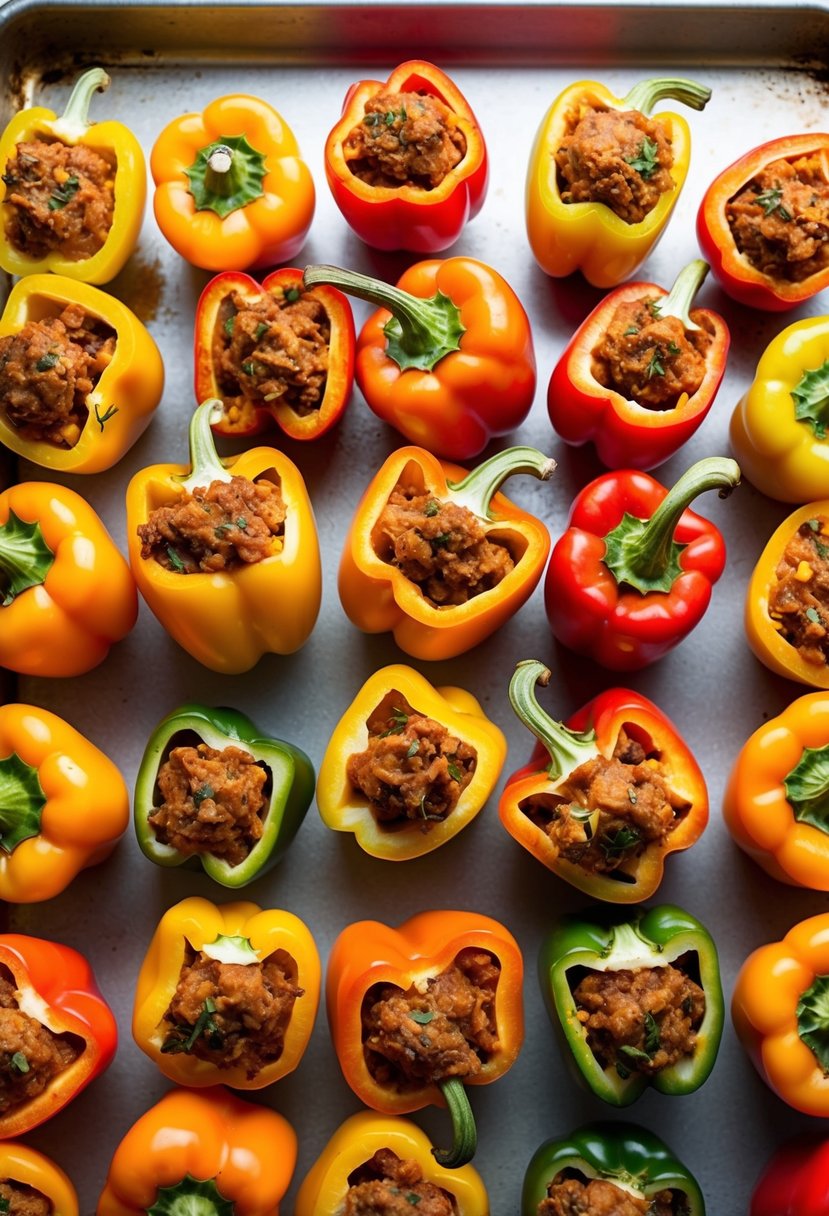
(21, 1166)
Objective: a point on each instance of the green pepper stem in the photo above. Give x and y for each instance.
(478, 488)
(464, 1132)
(218, 175)
(567, 749)
(677, 303)
(644, 95)
(25, 558)
(21, 802)
(74, 122)
(191, 1197)
(205, 465)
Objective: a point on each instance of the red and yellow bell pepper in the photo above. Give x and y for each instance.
(408, 216)
(232, 190)
(26, 1167)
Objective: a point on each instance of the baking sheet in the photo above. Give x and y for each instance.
(510, 61)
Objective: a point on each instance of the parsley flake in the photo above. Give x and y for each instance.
(19, 1063)
(655, 367)
(646, 160)
(175, 560)
(422, 1016)
(46, 362)
(205, 791)
(63, 194)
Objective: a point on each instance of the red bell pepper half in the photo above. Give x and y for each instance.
(795, 1182)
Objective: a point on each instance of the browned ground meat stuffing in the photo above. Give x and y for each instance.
(229, 524)
(212, 802)
(22, 1200)
(799, 599)
(597, 1197)
(47, 370)
(31, 1055)
(651, 359)
(619, 158)
(233, 1015)
(609, 811)
(271, 350)
(412, 769)
(439, 546)
(405, 1046)
(405, 139)
(388, 1185)
(780, 220)
(62, 199)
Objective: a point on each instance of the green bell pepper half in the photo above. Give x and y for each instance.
(603, 939)
(292, 782)
(622, 1153)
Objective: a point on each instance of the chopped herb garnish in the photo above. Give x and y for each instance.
(813, 615)
(413, 749)
(431, 508)
(634, 1053)
(19, 1062)
(175, 560)
(229, 324)
(623, 1072)
(178, 1041)
(413, 1199)
(673, 349)
(655, 366)
(220, 530)
(46, 362)
(646, 160)
(688, 1006)
(372, 120)
(4, 1204)
(770, 201)
(292, 295)
(205, 791)
(398, 719)
(619, 841)
(814, 524)
(455, 773)
(654, 307)
(241, 522)
(251, 368)
(390, 118)
(652, 1039)
(422, 1016)
(261, 329)
(103, 419)
(63, 194)
(631, 331)
(441, 541)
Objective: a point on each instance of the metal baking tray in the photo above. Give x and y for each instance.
(765, 64)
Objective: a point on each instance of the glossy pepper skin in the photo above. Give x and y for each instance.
(24, 1165)
(601, 940)
(275, 601)
(589, 236)
(733, 271)
(621, 1153)
(64, 804)
(355, 1142)
(239, 933)
(368, 953)
(378, 597)
(795, 1181)
(208, 1151)
(778, 426)
(69, 593)
(243, 416)
(634, 571)
(290, 785)
(561, 749)
(121, 404)
(346, 809)
(57, 987)
(624, 433)
(448, 358)
(232, 190)
(407, 216)
(111, 139)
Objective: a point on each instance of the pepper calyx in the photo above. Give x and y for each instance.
(567, 749)
(205, 465)
(227, 949)
(646, 93)
(677, 303)
(811, 399)
(21, 802)
(191, 1197)
(807, 788)
(812, 1015)
(477, 489)
(464, 1132)
(25, 558)
(227, 175)
(74, 122)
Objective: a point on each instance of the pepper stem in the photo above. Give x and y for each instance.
(464, 1132)
(191, 1197)
(205, 465)
(74, 121)
(226, 175)
(21, 802)
(567, 749)
(644, 95)
(477, 489)
(420, 332)
(25, 558)
(677, 303)
(642, 553)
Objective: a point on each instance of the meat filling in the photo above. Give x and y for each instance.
(780, 219)
(62, 199)
(233, 1015)
(212, 802)
(389, 1185)
(227, 525)
(404, 139)
(413, 769)
(47, 370)
(649, 359)
(271, 350)
(439, 546)
(619, 158)
(31, 1055)
(609, 811)
(17, 1199)
(576, 1196)
(799, 598)
(441, 1027)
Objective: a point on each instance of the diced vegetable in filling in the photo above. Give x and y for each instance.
(47, 370)
(233, 1015)
(18, 1199)
(31, 1055)
(578, 1196)
(441, 1027)
(212, 802)
(619, 158)
(404, 139)
(440, 546)
(413, 769)
(780, 219)
(389, 1185)
(61, 198)
(227, 525)
(799, 599)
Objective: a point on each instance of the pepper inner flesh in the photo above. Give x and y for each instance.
(61, 199)
(221, 527)
(404, 139)
(413, 770)
(23, 1200)
(48, 369)
(780, 219)
(442, 1026)
(31, 1055)
(388, 1185)
(620, 158)
(232, 1015)
(799, 596)
(570, 1193)
(609, 811)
